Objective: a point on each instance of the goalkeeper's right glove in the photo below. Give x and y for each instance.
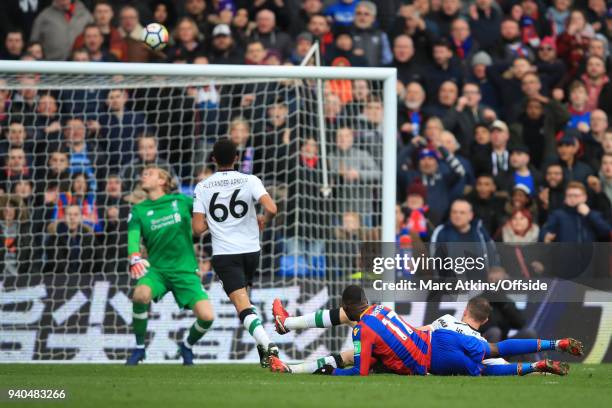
(327, 369)
(138, 266)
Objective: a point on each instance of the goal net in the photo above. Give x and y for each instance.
(75, 139)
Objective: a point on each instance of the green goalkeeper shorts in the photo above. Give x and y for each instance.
(185, 286)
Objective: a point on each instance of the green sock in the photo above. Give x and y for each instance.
(197, 330)
(140, 315)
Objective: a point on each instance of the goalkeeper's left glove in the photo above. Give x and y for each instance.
(138, 266)
(327, 369)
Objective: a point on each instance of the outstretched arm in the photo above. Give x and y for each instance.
(363, 340)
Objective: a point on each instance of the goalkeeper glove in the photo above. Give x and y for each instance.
(138, 266)
(327, 369)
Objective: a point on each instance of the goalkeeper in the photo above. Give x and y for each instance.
(164, 222)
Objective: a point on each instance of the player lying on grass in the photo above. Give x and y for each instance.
(163, 221)
(382, 336)
(475, 315)
(225, 204)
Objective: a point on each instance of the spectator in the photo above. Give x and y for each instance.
(468, 111)
(343, 53)
(533, 23)
(449, 142)
(440, 181)
(248, 155)
(360, 94)
(269, 35)
(48, 128)
(13, 45)
(410, 116)
(17, 254)
(594, 80)
(415, 212)
(448, 13)
(568, 147)
(82, 155)
(119, 127)
(521, 198)
(255, 53)
(552, 193)
(319, 27)
(164, 13)
(461, 234)
(573, 43)
(603, 183)
(342, 12)
(70, 245)
(444, 68)
(368, 40)
(114, 211)
(550, 68)
(93, 41)
(580, 115)
(197, 11)
(147, 155)
(478, 75)
(57, 26)
(521, 171)
(538, 125)
(593, 140)
(520, 228)
(303, 43)
(131, 32)
(419, 29)
(16, 137)
(308, 8)
(224, 49)
(497, 160)
(35, 50)
(24, 101)
(448, 94)
(504, 315)
(575, 221)
(113, 42)
(487, 204)
(508, 83)
(509, 46)
(314, 213)
(56, 174)
(80, 196)
(408, 69)
(15, 169)
(464, 43)
(484, 22)
(558, 14)
(187, 42)
(356, 172)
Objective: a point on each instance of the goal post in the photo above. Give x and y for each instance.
(63, 315)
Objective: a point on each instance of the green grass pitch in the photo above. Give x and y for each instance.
(248, 386)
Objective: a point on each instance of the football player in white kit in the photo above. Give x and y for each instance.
(224, 204)
(476, 314)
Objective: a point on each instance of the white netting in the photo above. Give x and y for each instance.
(83, 140)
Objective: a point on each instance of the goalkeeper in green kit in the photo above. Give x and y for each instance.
(163, 221)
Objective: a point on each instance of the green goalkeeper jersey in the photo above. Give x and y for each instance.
(165, 227)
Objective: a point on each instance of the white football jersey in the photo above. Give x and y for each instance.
(228, 198)
(450, 322)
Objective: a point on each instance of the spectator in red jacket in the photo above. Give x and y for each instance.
(113, 42)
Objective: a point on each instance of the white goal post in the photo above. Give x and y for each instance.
(52, 317)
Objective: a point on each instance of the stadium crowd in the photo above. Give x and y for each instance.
(503, 124)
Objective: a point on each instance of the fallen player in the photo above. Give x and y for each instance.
(403, 349)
